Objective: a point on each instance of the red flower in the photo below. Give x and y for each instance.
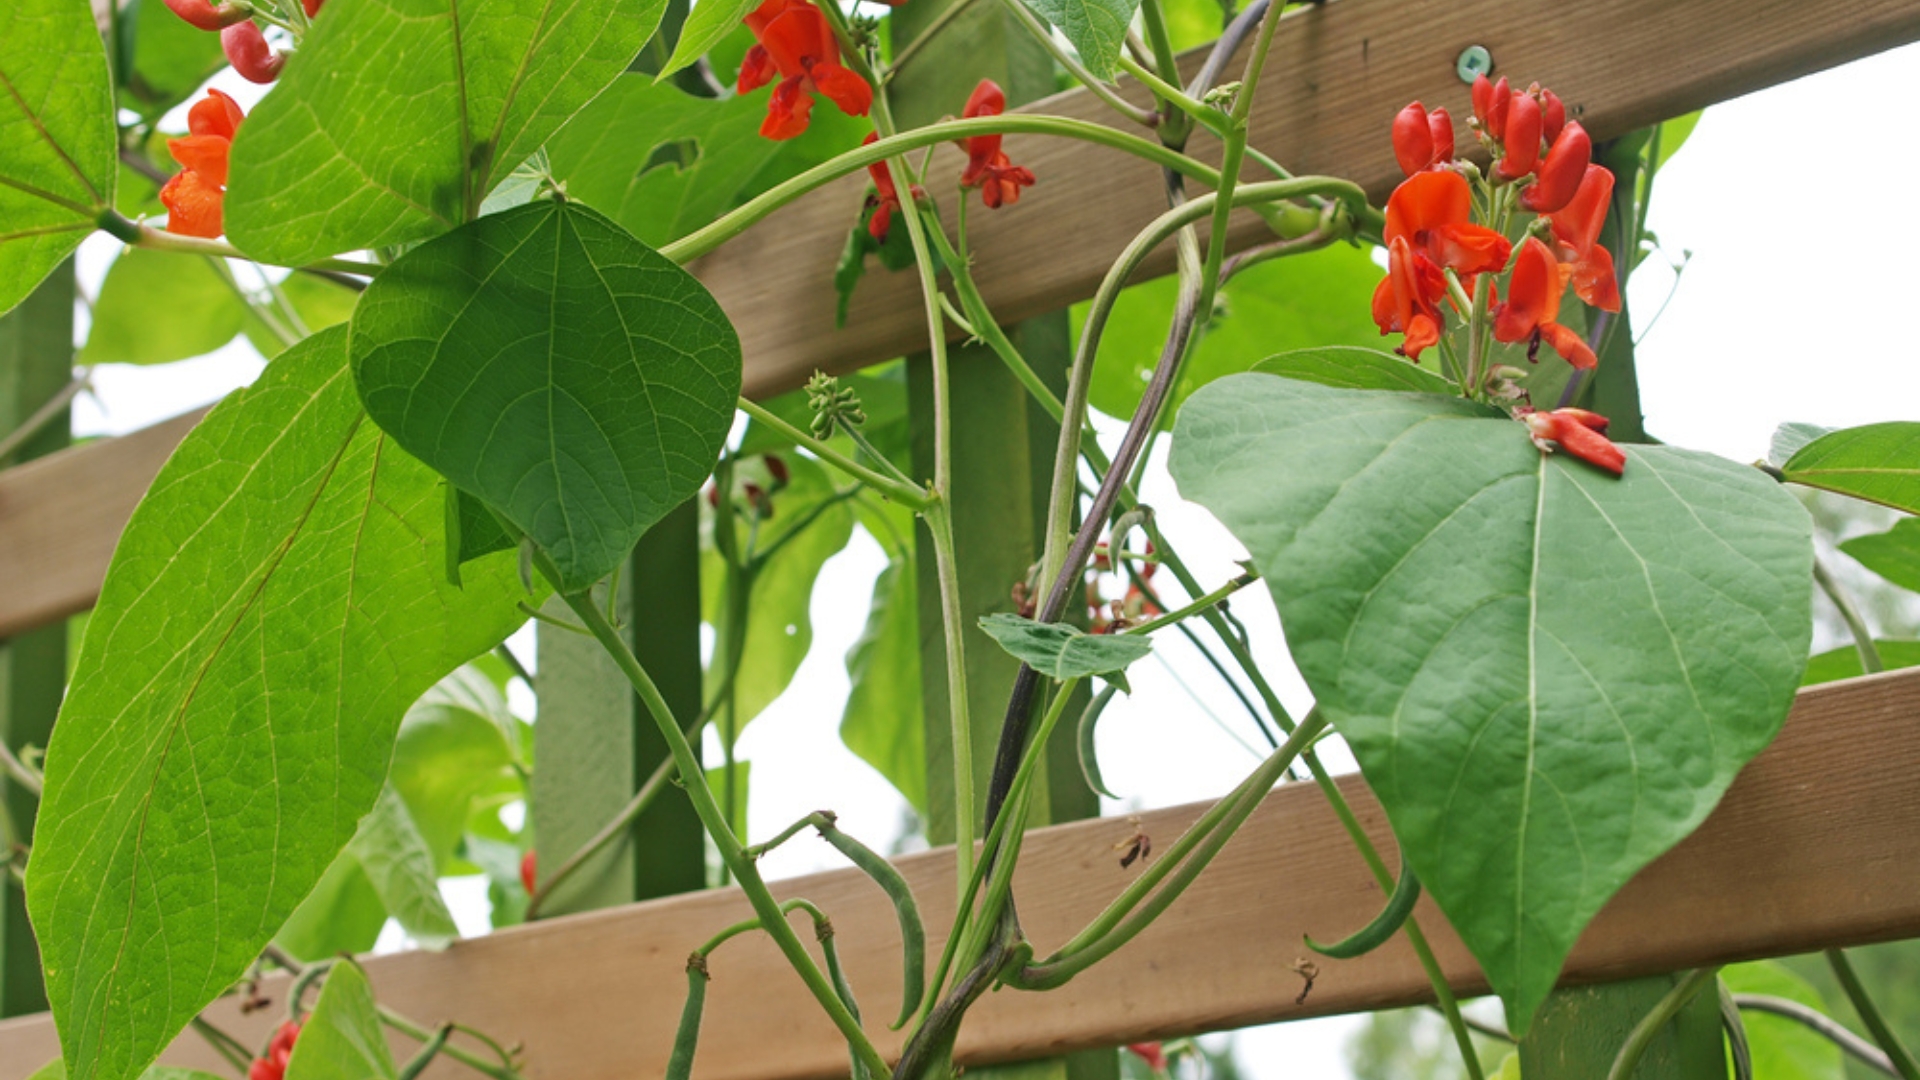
(1521, 137)
(1490, 103)
(1562, 171)
(1149, 1052)
(274, 1065)
(529, 865)
(312, 7)
(886, 199)
(208, 16)
(1576, 234)
(1580, 433)
(796, 45)
(247, 50)
(988, 169)
(1533, 303)
(1428, 232)
(1422, 140)
(193, 197)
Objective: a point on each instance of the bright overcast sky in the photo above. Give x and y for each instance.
(1784, 313)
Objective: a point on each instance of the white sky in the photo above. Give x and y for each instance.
(1785, 313)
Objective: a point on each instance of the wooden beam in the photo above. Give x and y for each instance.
(1336, 76)
(1814, 846)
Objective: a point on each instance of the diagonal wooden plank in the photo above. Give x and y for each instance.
(1337, 75)
(1814, 846)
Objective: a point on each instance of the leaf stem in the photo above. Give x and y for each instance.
(893, 489)
(1826, 1026)
(228, 1047)
(46, 414)
(1666, 1009)
(1195, 607)
(22, 774)
(1863, 643)
(145, 236)
(1095, 85)
(1208, 116)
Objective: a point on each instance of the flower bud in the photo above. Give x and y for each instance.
(777, 469)
(247, 50)
(1553, 116)
(1413, 139)
(1561, 173)
(209, 16)
(1521, 137)
(1441, 122)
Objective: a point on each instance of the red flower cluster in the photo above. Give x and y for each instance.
(988, 169)
(246, 47)
(194, 196)
(274, 1065)
(795, 45)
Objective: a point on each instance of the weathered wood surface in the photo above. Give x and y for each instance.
(1814, 846)
(1336, 76)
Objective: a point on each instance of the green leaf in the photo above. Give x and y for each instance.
(319, 303)
(557, 368)
(1788, 439)
(1844, 662)
(500, 862)
(397, 116)
(156, 307)
(1879, 463)
(1355, 368)
(343, 914)
(57, 1070)
(342, 1038)
(883, 720)
(395, 858)
(779, 607)
(58, 147)
(663, 163)
(171, 59)
(706, 25)
(455, 744)
(1548, 674)
(1783, 1049)
(1097, 29)
(1894, 554)
(1062, 651)
(275, 604)
(1305, 301)
(1674, 134)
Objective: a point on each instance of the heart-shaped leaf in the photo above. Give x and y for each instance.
(58, 154)
(276, 603)
(564, 372)
(1549, 675)
(397, 117)
(1097, 29)
(1879, 463)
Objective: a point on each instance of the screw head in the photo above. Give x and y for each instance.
(1474, 61)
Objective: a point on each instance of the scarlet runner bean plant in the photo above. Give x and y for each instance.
(1550, 652)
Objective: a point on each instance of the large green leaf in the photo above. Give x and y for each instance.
(1879, 463)
(343, 1038)
(1548, 674)
(1355, 368)
(1097, 29)
(663, 163)
(1783, 1049)
(397, 116)
(156, 307)
(276, 603)
(455, 744)
(1304, 301)
(395, 858)
(549, 363)
(779, 607)
(343, 914)
(58, 156)
(1062, 651)
(1894, 554)
(883, 722)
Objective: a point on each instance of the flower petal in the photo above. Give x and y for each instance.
(843, 88)
(193, 206)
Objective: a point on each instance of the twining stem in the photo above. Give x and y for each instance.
(1195, 607)
(18, 770)
(744, 872)
(1870, 660)
(1174, 127)
(698, 243)
(1188, 108)
(886, 485)
(1897, 1053)
(47, 413)
(1826, 1026)
(1649, 1026)
(228, 1047)
(1095, 85)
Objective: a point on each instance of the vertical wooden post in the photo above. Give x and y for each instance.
(595, 745)
(36, 361)
(1003, 447)
(1580, 1031)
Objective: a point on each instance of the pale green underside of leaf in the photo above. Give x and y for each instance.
(1549, 675)
(276, 603)
(396, 116)
(549, 363)
(394, 856)
(343, 1038)
(1879, 463)
(1061, 651)
(1097, 29)
(157, 306)
(58, 161)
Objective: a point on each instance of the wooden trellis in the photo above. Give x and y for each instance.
(1813, 847)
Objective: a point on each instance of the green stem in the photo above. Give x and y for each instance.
(1870, 661)
(743, 870)
(19, 771)
(1877, 1026)
(465, 1057)
(145, 236)
(228, 1047)
(699, 243)
(1190, 109)
(1195, 607)
(1174, 129)
(891, 488)
(48, 412)
(932, 31)
(1649, 1026)
(1098, 87)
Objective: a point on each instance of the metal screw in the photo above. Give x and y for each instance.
(1474, 61)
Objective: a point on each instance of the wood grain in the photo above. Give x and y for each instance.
(1336, 76)
(1814, 846)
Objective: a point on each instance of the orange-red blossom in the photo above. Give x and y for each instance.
(1580, 433)
(795, 45)
(279, 1050)
(194, 196)
(988, 168)
(1429, 232)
